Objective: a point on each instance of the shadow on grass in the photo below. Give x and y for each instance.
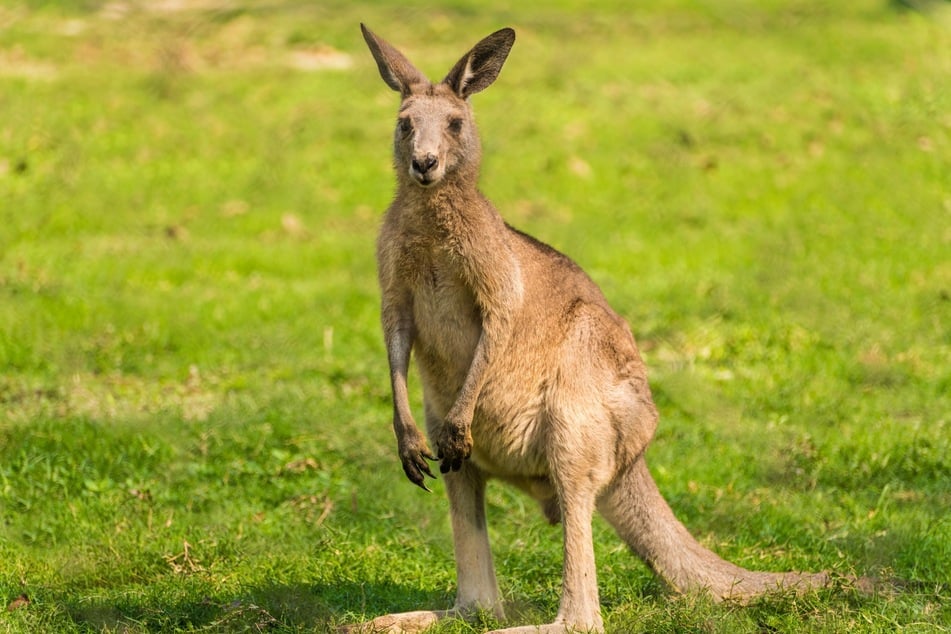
(325, 607)
(273, 608)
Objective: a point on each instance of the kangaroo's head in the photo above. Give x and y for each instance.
(436, 139)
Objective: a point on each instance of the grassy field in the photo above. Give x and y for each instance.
(194, 407)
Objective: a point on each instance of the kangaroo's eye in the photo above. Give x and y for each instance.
(405, 125)
(455, 125)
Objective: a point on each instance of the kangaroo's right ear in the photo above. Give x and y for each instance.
(397, 71)
(479, 67)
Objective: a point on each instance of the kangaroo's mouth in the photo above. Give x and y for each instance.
(424, 180)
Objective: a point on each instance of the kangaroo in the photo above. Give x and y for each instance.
(528, 375)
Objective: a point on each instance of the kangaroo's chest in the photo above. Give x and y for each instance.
(447, 318)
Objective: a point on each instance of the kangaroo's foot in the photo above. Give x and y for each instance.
(551, 628)
(400, 623)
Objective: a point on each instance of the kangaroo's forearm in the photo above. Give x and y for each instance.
(499, 297)
(399, 333)
(398, 350)
(464, 408)
(411, 444)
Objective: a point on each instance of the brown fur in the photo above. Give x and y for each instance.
(528, 375)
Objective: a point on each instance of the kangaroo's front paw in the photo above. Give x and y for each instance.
(413, 454)
(453, 446)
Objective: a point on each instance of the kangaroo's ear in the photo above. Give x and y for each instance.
(479, 67)
(397, 71)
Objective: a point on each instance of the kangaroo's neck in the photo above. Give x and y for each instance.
(452, 207)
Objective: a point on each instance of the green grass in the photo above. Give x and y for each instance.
(194, 411)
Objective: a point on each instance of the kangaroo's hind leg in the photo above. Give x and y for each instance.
(477, 587)
(577, 483)
(581, 459)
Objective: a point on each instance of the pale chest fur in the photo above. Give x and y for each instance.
(447, 319)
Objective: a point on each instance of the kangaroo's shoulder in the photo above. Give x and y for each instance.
(542, 250)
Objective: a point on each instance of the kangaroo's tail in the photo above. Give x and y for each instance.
(643, 519)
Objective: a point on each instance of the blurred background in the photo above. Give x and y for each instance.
(194, 407)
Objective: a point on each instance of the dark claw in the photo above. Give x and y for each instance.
(424, 467)
(450, 465)
(415, 476)
(415, 468)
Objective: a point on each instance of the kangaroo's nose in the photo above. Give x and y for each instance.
(425, 163)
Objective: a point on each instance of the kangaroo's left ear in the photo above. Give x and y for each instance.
(479, 67)
(397, 71)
